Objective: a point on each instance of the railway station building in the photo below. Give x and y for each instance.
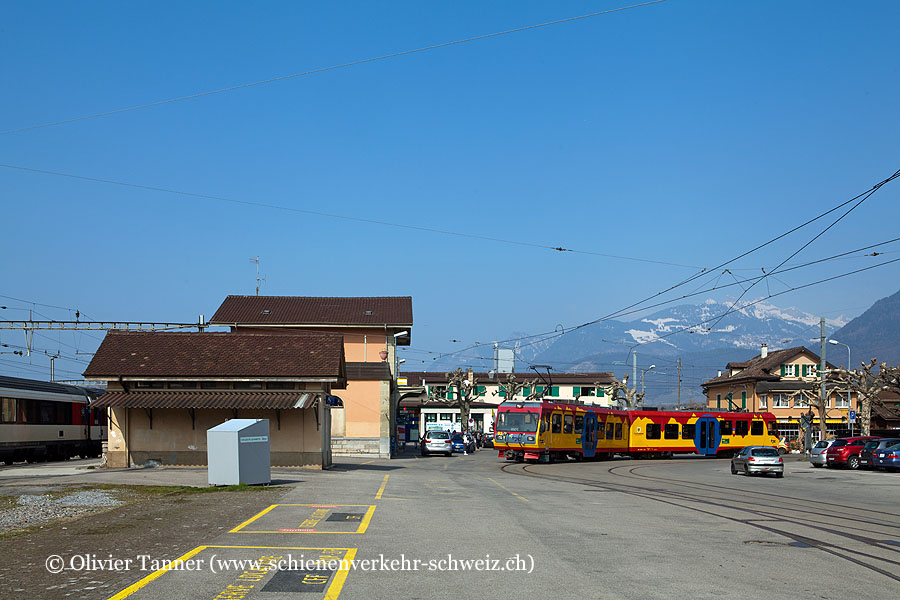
(166, 389)
(775, 382)
(372, 328)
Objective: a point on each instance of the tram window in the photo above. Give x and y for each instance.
(671, 431)
(579, 424)
(725, 427)
(618, 431)
(688, 431)
(772, 427)
(556, 423)
(567, 424)
(756, 428)
(653, 431)
(609, 431)
(9, 410)
(741, 427)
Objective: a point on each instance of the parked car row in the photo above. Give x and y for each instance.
(866, 452)
(445, 442)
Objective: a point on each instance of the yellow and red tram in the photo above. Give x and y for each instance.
(543, 431)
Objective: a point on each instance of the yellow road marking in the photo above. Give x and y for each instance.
(510, 491)
(366, 520)
(251, 519)
(381, 489)
(334, 590)
(367, 462)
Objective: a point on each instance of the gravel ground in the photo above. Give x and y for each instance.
(123, 521)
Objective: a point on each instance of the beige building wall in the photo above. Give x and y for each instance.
(173, 441)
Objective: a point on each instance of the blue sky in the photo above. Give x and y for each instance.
(681, 132)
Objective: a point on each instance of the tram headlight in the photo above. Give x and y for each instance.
(530, 439)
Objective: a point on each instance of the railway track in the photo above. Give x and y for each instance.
(868, 543)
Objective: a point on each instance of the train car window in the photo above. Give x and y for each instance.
(688, 431)
(671, 431)
(741, 427)
(579, 424)
(653, 431)
(772, 427)
(756, 428)
(725, 427)
(556, 423)
(8, 410)
(618, 431)
(567, 424)
(609, 431)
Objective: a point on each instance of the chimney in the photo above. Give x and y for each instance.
(764, 352)
(720, 373)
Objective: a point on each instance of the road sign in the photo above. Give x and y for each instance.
(853, 416)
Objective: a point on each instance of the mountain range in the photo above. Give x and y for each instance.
(703, 342)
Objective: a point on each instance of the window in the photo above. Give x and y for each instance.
(772, 427)
(811, 370)
(653, 431)
(725, 427)
(763, 401)
(522, 422)
(780, 401)
(588, 391)
(741, 427)
(556, 423)
(756, 428)
(840, 401)
(568, 423)
(182, 385)
(579, 424)
(53, 413)
(609, 431)
(787, 370)
(446, 417)
(618, 431)
(211, 385)
(149, 385)
(430, 418)
(248, 385)
(280, 385)
(671, 431)
(688, 431)
(8, 413)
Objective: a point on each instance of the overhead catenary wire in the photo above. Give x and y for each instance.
(328, 68)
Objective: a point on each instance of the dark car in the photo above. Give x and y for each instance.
(460, 444)
(888, 458)
(488, 441)
(845, 451)
(865, 456)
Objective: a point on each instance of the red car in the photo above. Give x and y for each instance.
(845, 451)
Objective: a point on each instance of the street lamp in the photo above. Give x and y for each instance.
(837, 343)
(650, 368)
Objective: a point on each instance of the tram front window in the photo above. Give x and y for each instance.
(519, 422)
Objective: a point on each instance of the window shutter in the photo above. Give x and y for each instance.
(576, 391)
(554, 390)
(601, 392)
(743, 399)
(782, 370)
(539, 389)
(503, 391)
(526, 391)
(805, 370)
(479, 389)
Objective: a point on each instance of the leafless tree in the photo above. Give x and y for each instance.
(512, 387)
(866, 385)
(461, 392)
(620, 393)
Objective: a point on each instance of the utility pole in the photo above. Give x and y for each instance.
(678, 405)
(821, 379)
(258, 279)
(634, 371)
(52, 358)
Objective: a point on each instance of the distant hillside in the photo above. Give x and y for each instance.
(873, 334)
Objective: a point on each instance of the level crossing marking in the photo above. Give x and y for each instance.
(523, 499)
(381, 489)
(310, 523)
(344, 555)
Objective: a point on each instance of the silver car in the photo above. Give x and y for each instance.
(817, 454)
(758, 459)
(437, 442)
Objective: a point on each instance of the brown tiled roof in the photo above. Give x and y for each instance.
(368, 371)
(761, 368)
(300, 310)
(414, 378)
(189, 355)
(211, 399)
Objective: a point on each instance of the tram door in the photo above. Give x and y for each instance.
(706, 437)
(589, 438)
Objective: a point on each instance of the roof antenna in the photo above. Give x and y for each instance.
(258, 279)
